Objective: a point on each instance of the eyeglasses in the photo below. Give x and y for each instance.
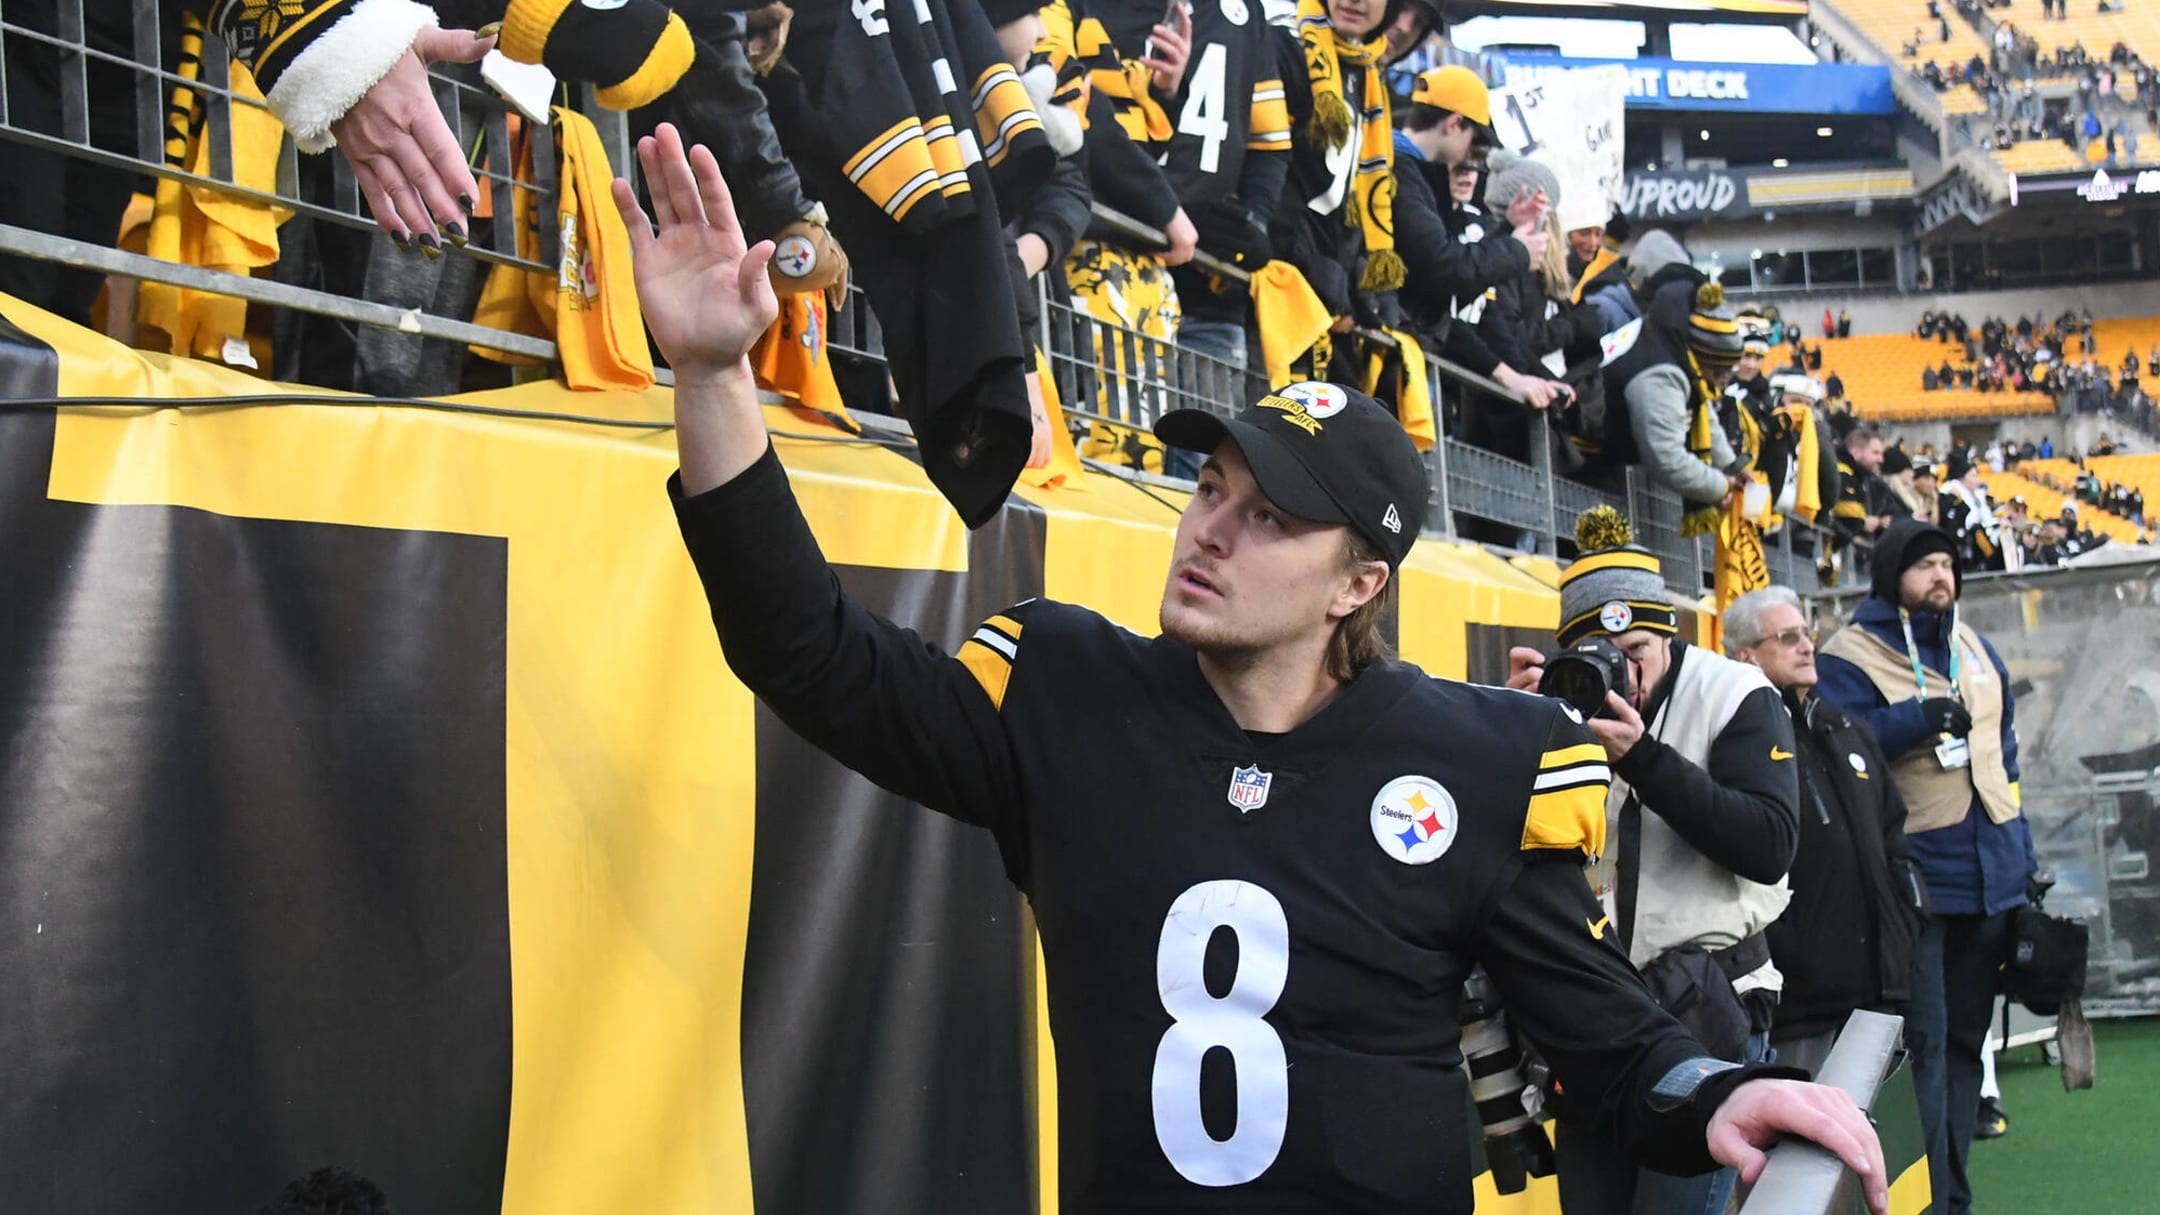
(1788, 638)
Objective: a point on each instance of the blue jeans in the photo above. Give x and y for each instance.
(1220, 340)
(1946, 1025)
(1598, 1178)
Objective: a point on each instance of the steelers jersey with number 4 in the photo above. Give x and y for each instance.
(1230, 100)
(1255, 946)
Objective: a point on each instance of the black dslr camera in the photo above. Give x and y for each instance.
(1584, 672)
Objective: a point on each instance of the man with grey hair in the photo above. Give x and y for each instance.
(1845, 942)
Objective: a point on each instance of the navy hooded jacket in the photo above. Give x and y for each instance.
(1975, 867)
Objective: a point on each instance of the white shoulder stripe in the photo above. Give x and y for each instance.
(1568, 778)
(997, 641)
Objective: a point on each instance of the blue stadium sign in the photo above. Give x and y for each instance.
(1738, 88)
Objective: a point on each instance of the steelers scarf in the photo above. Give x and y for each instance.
(1807, 495)
(1702, 416)
(1410, 391)
(1372, 191)
(1740, 565)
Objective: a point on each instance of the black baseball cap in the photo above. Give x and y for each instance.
(1324, 453)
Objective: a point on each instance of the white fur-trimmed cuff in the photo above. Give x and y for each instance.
(343, 62)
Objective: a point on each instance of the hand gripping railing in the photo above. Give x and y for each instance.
(1802, 1178)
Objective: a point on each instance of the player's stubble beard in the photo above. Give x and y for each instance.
(1229, 643)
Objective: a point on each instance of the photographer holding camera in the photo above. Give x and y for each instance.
(1705, 802)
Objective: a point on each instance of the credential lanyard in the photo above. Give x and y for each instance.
(1912, 653)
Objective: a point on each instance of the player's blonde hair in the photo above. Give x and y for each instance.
(1360, 638)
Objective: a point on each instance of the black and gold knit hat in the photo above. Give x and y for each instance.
(1713, 332)
(1614, 585)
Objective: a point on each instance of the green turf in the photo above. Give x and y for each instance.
(2093, 1151)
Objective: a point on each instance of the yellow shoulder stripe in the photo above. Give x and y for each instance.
(991, 669)
(1570, 819)
(989, 654)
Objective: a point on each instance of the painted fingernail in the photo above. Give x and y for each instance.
(399, 239)
(456, 233)
(465, 201)
(429, 245)
(489, 30)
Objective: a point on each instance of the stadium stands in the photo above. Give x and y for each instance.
(2117, 337)
(1882, 378)
(2140, 472)
(2137, 26)
(2038, 156)
(1892, 26)
(2059, 475)
(2045, 502)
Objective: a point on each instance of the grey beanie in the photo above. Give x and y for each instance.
(1654, 250)
(1614, 584)
(1519, 174)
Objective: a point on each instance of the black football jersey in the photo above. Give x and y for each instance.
(1230, 100)
(1254, 946)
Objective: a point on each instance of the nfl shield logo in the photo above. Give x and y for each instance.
(1248, 788)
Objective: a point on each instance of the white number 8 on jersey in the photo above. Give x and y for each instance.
(1233, 1022)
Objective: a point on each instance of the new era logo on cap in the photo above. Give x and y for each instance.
(1392, 520)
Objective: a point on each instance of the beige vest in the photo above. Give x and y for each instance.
(1936, 796)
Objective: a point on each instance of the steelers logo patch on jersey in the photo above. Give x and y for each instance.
(1413, 819)
(1616, 617)
(1858, 762)
(1235, 12)
(1319, 399)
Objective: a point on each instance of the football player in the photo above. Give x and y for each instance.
(1362, 833)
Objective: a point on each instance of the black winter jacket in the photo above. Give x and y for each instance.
(1846, 940)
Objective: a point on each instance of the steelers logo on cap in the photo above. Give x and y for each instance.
(1319, 399)
(1616, 616)
(795, 256)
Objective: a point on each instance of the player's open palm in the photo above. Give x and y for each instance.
(704, 291)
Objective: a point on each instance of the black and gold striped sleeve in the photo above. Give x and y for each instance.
(1566, 811)
(990, 653)
(1267, 126)
(269, 36)
(315, 59)
(1003, 113)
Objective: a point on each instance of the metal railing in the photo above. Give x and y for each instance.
(1801, 1178)
(321, 188)
(1106, 372)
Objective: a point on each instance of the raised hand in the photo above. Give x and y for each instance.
(704, 292)
(404, 156)
(1527, 208)
(1169, 51)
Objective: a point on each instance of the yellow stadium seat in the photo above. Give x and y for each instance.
(1882, 378)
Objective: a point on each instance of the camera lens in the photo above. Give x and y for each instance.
(1579, 683)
